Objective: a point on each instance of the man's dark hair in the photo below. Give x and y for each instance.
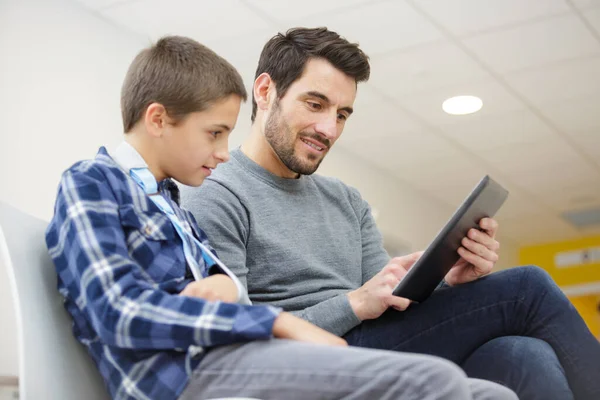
(285, 56)
(182, 75)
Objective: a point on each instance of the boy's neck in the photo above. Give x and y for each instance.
(147, 152)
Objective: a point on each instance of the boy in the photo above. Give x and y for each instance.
(159, 314)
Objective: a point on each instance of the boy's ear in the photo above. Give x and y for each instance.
(155, 119)
(264, 91)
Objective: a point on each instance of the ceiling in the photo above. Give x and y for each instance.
(535, 64)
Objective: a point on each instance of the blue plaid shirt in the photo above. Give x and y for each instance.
(120, 266)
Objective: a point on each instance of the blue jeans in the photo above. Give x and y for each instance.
(514, 327)
(527, 365)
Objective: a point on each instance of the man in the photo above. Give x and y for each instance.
(309, 244)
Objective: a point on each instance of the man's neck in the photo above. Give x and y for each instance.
(260, 151)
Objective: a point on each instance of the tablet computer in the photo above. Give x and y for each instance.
(439, 257)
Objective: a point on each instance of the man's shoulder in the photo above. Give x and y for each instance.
(227, 178)
(332, 184)
(229, 173)
(223, 187)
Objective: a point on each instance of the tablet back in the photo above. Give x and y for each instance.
(422, 279)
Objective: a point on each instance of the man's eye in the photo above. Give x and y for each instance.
(314, 106)
(342, 117)
(215, 133)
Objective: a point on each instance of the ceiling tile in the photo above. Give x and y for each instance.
(593, 16)
(378, 120)
(366, 96)
(487, 132)
(286, 11)
(550, 178)
(496, 100)
(518, 205)
(536, 229)
(423, 68)
(577, 115)
(547, 84)
(449, 179)
(585, 4)
(102, 4)
(378, 27)
(575, 197)
(242, 48)
(198, 20)
(401, 151)
(592, 230)
(589, 142)
(469, 16)
(533, 156)
(243, 53)
(539, 43)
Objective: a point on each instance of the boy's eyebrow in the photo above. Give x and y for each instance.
(222, 126)
(321, 96)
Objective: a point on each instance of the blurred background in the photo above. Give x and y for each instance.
(534, 64)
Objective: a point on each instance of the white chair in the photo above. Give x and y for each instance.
(52, 364)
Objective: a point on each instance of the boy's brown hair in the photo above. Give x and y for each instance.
(182, 75)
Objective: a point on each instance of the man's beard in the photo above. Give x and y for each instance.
(283, 141)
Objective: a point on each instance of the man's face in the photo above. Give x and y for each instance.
(302, 126)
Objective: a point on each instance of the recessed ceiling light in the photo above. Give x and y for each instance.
(462, 105)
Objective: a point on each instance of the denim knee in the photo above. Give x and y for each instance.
(534, 277)
(527, 365)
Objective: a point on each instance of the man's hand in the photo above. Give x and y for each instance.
(288, 326)
(375, 296)
(479, 253)
(218, 287)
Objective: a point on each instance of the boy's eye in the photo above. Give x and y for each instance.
(215, 133)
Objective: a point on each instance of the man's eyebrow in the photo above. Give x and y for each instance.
(321, 96)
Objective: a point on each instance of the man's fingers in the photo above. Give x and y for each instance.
(399, 303)
(484, 239)
(481, 266)
(407, 261)
(490, 225)
(480, 250)
(397, 271)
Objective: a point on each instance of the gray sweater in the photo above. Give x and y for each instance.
(300, 244)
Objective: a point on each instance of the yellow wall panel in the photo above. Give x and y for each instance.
(571, 276)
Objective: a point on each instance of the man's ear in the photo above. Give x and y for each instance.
(264, 91)
(155, 119)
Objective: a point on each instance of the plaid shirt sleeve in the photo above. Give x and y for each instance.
(88, 246)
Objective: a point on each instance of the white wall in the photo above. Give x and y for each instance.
(60, 76)
(61, 69)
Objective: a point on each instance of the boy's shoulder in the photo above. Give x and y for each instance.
(95, 167)
(96, 179)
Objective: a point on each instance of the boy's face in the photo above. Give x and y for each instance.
(197, 144)
(302, 126)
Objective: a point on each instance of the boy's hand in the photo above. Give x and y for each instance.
(288, 326)
(218, 287)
